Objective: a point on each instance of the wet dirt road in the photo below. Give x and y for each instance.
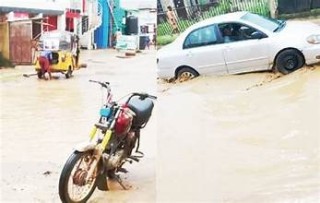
(240, 139)
(41, 122)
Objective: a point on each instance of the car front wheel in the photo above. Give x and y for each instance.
(288, 61)
(187, 74)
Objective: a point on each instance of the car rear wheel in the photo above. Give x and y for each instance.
(187, 74)
(288, 61)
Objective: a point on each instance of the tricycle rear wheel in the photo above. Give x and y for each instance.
(39, 73)
(69, 72)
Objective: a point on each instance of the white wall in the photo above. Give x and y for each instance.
(137, 4)
(59, 5)
(37, 4)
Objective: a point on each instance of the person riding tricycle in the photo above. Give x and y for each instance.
(58, 52)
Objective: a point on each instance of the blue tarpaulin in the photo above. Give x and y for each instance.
(101, 35)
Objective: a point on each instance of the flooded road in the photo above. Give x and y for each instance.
(41, 122)
(240, 138)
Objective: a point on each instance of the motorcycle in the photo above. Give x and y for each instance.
(114, 140)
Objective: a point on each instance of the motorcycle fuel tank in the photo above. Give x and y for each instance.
(124, 121)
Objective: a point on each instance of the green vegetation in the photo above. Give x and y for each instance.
(163, 40)
(225, 6)
(5, 62)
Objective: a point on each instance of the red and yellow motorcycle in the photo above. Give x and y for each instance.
(114, 140)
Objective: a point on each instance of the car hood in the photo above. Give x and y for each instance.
(165, 50)
(300, 29)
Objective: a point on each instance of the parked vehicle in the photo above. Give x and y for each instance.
(65, 52)
(240, 42)
(114, 140)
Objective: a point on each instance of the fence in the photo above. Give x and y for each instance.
(295, 6)
(186, 16)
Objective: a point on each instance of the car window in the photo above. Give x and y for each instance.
(233, 32)
(201, 37)
(267, 23)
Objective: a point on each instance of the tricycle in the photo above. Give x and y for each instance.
(64, 50)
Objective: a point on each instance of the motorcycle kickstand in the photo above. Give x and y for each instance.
(118, 179)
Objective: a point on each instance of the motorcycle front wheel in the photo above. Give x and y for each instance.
(74, 186)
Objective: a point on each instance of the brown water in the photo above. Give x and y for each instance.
(41, 122)
(243, 138)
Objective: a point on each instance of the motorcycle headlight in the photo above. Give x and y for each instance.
(314, 39)
(105, 112)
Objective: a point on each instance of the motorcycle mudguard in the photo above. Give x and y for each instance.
(102, 182)
(85, 146)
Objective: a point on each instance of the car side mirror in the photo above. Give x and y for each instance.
(257, 35)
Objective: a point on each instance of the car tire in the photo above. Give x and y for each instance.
(288, 61)
(187, 73)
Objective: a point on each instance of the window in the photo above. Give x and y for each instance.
(267, 23)
(233, 32)
(201, 37)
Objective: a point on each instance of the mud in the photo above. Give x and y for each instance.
(240, 138)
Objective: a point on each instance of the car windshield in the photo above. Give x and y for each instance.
(270, 24)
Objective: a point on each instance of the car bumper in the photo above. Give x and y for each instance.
(165, 73)
(312, 54)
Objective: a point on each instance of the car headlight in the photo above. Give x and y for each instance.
(314, 39)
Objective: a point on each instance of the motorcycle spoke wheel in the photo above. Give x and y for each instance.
(74, 185)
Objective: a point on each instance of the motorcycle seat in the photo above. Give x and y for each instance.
(142, 108)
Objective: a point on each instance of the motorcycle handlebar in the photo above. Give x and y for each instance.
(103, 84)
(144, 95)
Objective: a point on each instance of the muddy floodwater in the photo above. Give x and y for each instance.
(241, 138)
(41, 122)
(250, 138)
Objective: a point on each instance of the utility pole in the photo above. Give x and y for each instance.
(272, 7)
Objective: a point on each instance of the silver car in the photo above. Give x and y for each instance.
(240, 42)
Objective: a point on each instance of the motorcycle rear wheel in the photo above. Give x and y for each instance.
(72, 179)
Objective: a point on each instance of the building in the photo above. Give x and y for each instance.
(184, 8)
(22, 22)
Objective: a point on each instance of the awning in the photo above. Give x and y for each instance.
(4, 9)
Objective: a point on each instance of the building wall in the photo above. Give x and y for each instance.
(59, 5)
(38, 4)
(4, 39)
(118, 15)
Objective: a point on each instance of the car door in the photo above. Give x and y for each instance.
(245, 48)
(203, 51)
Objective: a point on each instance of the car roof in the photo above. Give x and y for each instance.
(219, 19)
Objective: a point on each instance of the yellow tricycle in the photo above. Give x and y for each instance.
(64, 50)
